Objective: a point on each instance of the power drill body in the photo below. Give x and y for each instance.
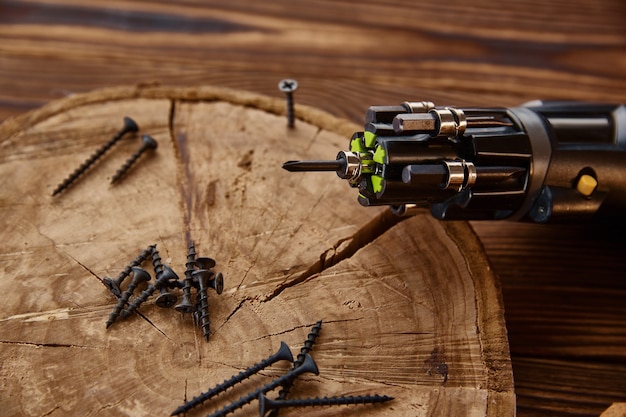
(542, 161)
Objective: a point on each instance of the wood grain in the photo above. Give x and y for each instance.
(562, 286)
(459, 53)
(410, 308)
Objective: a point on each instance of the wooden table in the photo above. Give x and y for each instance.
(563, 286)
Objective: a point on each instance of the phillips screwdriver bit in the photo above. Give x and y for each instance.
(303, 166)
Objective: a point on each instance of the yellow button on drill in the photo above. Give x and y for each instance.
(586, 185)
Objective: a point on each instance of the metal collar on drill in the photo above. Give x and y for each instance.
(461, 175)
(352, 169)
(451, 122)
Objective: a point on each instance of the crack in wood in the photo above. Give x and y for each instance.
(235, 310)
(53, 345)
(154, 325)
(371, 231)
(184, 173)
(51, 411)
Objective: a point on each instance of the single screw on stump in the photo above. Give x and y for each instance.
(147, 143)
(265, 404)
(129, 126)
(205, 282)
(114, 284)
(281, 355)
(288, 87)
(307, 366)
(186, 305)
(139, 275)
(306, 349)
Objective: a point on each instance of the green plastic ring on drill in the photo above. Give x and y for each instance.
(356, 145)
(369, 139)
(377, 183)
(379, 155)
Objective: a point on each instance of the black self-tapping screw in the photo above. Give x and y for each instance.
(186, 305)
(307, 366)
(139, 275)
(161, 279)
(283, 354)
(129, 126)
(114, 284)
(167, 299)
(147, 143)
(265, 404)
(207, 279)
(306, 349)
(289, 86)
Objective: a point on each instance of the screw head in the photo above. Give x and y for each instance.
(166, 300)
(168, 275)
(148, 142)
(205, 262)
(288, 85)
(140, 275)
(185, 306)
(130, 125)
(218, 283)
(112, 286)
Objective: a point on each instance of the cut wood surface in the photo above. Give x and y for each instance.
(410, 308)
(563, 286)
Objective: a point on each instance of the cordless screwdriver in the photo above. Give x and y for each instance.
(542, 161)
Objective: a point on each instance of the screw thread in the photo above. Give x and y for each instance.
(156, 264)
(282, 354)
(203, 277)
(196, 314)
(161, 281)
(93, 158)
(143, 255)
(266, 404)
(121, 302)
(185, 305)
(205, 322)
(306, 349)
(140, 275)
(114, 284)
(290, 112)
(148, 143)
(126, 166)
(307, 366)
(308, 343)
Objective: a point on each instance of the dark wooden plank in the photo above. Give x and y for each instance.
(462, 53)
(347, 56)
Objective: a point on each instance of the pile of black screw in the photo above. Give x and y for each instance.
(199, 277)
(304, 363)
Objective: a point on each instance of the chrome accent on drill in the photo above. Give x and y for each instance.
(448, 122)
(352, 167)
(461, 175)
(418, 106)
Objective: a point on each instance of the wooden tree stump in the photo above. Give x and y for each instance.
(410, 308)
